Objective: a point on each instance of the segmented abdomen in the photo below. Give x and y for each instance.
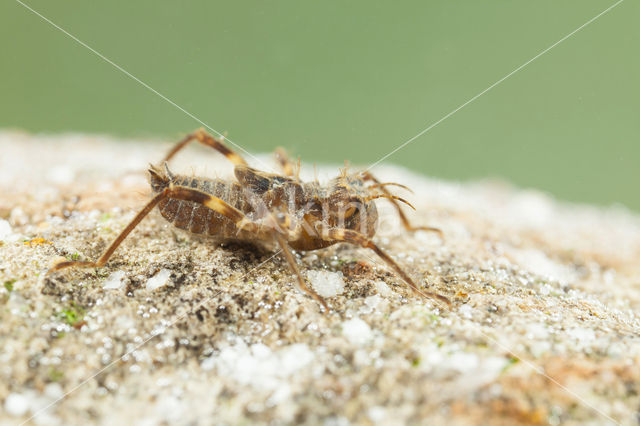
(199, 219)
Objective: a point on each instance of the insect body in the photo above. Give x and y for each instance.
(268, 208)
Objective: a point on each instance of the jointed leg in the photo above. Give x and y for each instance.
(205, 138)
(215, 204)
(285, 163)
(114, 245)
(294, 267)
(353, 237)
(405, 222)
(175, 192)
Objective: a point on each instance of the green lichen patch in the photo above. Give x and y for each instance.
(8, 284)
(72, 315)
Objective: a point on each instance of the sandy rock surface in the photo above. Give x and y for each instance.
(543, 327)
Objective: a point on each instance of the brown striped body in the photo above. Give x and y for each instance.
(303, 203)
(198, 219)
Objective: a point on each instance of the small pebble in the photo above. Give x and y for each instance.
(465, 311)
(16, 404)
(158, 280)
(383, 289)
(326, 283)
(114, 281)
(5, 229)
(357, 331)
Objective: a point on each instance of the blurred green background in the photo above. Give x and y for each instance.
(337, 80)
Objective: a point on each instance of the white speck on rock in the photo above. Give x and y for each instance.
(169, 407)
(377, 414)
(53, 391)
(336, 421)
(462, 362)
(465, 311)
(326, 283)
(357, 331)
(538, 262)
(18, 216)
(615, 350)
(539, 348)
(208, 363)
(582, 335)
(383, 289)
(61, 174)
(476, 373)
(114, 281)
(373, 301)
(295, 357)
(371, 304)
(5, 229)
(260, 367)
(537, 331)
(158, 280)
(16, 404)
(280, 395)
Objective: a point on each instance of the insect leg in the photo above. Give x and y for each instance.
(242, 222)
(177, 192)
(353, 237)
(282, 242)
(285, 163)
(114, 245)
(205, 138)
(405, 222)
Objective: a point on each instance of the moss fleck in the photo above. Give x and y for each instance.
(73, 315)
(9, 284)
(55, 375)
(510, 363)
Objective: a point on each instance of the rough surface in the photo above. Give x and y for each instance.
(543, 327)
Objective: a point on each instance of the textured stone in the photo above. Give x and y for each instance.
(543, 328)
